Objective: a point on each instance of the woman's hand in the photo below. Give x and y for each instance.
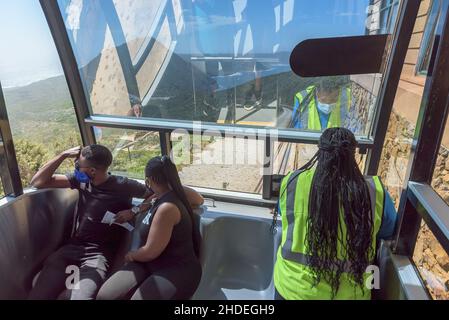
(135, 111)
(129, 257)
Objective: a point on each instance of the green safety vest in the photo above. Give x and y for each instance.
(309, 116)
(293, 277)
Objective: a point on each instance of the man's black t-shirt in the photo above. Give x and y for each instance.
(114, 195)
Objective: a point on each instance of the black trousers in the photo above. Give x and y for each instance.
(75, 272)
(140, 281)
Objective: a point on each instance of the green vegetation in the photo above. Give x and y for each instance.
(43, 124)
(131, 150)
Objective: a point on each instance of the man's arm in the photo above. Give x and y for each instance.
(45, 177)
(194, 198)
(139, 190)
(127, 215)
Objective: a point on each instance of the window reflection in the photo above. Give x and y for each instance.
(383, 16)
(428, 37)
(224, 62)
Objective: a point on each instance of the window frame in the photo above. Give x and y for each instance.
(389, 6)
(9, 167)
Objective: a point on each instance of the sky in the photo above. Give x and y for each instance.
(27, 51)
(28, 54)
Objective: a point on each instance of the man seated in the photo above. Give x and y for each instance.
(93, 244)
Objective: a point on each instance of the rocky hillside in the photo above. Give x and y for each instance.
(430, 258)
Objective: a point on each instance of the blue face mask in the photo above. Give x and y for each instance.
(81, 176)
(325, 107)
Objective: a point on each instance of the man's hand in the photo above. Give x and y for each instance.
(129, 257)
(124, 216)
(46, 177)
(72, 153)
(151, 198)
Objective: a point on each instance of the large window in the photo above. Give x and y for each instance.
(39, 105)
(221, 62)
(402, 122)
(429, 255)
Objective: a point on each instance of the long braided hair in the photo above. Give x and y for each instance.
(339, 194)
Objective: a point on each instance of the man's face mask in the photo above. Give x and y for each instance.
(325, 107)
(80, 176)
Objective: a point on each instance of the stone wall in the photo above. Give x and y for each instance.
(433, 263)
(395, 155)
(361, 111)
(430, 258)
(441, 175)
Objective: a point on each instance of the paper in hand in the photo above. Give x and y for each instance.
(109, 218)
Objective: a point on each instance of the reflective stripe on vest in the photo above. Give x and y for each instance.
(309, 117)
(287, 203)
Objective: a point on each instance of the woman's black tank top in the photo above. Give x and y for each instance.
(180, 248)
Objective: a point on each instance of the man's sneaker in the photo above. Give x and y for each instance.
(250, 107)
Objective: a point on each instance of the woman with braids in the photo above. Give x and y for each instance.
(332, 217)
(166, 265)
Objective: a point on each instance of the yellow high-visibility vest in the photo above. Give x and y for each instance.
(293, 277)
(308, 114)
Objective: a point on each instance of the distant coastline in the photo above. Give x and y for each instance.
(24, 83)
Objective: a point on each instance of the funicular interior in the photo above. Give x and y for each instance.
(214, 82)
